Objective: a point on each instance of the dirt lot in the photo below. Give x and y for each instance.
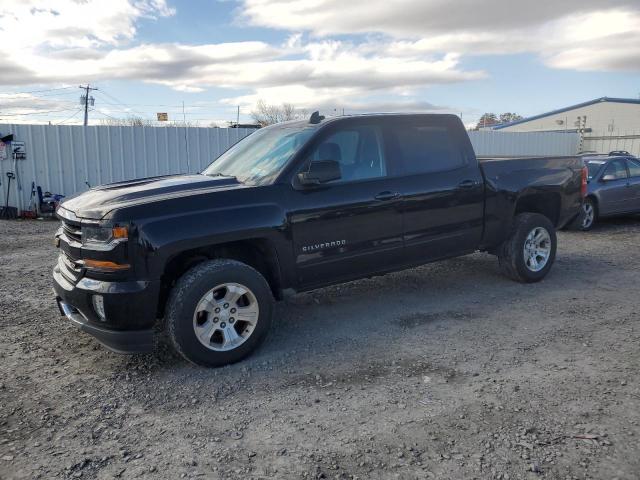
(445, 371)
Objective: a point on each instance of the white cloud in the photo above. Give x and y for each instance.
(298, 71)
(574, 34)
(43, 24)
(356, 55)
(46, 41)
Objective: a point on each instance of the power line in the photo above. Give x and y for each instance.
(121, 103)
(33, 113)
(152, 105)
(105, 114)
(145, 105)
(69, 118)
(174, 112)
(34, 91)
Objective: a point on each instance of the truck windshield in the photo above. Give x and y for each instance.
(259, 158)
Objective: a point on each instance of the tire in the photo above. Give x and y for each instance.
(211, 287)
(588, 215)
(514, 260)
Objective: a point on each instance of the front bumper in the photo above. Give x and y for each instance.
(130, 308)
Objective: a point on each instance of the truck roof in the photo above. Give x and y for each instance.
(320, 119)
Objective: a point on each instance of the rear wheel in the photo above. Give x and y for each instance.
(219, 312)
(588, 214)
(529, 252)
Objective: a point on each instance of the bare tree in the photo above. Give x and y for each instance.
(131, 121)
(134, 121)
(265, 114)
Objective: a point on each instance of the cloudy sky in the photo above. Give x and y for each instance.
(462, 56)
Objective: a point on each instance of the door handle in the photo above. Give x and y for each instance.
(384, 196)
(467, 184)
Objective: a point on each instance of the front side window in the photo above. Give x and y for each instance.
(617, 168)
(259, 158)
(426, 149)
(357, 149)
(634, 167)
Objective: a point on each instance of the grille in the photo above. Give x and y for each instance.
(73, 232)
(68, 268)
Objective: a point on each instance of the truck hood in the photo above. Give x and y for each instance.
(99, 201)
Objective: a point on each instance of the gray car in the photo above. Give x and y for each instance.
(613, 188)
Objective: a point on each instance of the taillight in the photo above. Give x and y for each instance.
(583, 185)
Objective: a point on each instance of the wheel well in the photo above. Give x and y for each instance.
(546, 204)
(257, 253)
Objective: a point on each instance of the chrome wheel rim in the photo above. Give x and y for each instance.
(537, 249)
(225, 317)
(587, 215)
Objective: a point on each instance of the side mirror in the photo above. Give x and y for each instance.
(320, 171)
(607, 178)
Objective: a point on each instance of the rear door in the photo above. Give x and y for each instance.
(634, 183)
(353, 226)
(442, 187)
(615, 193)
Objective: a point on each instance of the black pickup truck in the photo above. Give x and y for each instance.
(294, 207)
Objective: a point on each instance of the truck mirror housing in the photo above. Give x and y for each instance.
(607, 178)
(319, 172)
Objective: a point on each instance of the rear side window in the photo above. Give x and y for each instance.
(617, 168)
(634, 168)
(426, 148)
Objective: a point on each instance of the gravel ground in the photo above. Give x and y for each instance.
(444, 371)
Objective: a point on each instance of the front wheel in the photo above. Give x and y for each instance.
(219, 312)
(529, 252)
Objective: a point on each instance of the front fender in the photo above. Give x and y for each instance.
(162, 238)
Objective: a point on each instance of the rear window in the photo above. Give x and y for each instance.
(426, 149)
(634, 167)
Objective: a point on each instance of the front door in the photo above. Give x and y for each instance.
(352, 226)
(615, 193)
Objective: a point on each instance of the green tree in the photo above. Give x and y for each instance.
(486, 120)
(509, 117)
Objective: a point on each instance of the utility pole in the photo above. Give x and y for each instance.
(84, 100)
(238, 116)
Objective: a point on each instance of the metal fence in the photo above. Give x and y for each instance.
(491, 143)
(629, 142)
(69, 159)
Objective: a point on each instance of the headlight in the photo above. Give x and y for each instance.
(100, 236)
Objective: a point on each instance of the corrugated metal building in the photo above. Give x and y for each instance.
(605, 124)
(68, 159)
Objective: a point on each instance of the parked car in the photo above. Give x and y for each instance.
(613, 187)
(294, 207)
